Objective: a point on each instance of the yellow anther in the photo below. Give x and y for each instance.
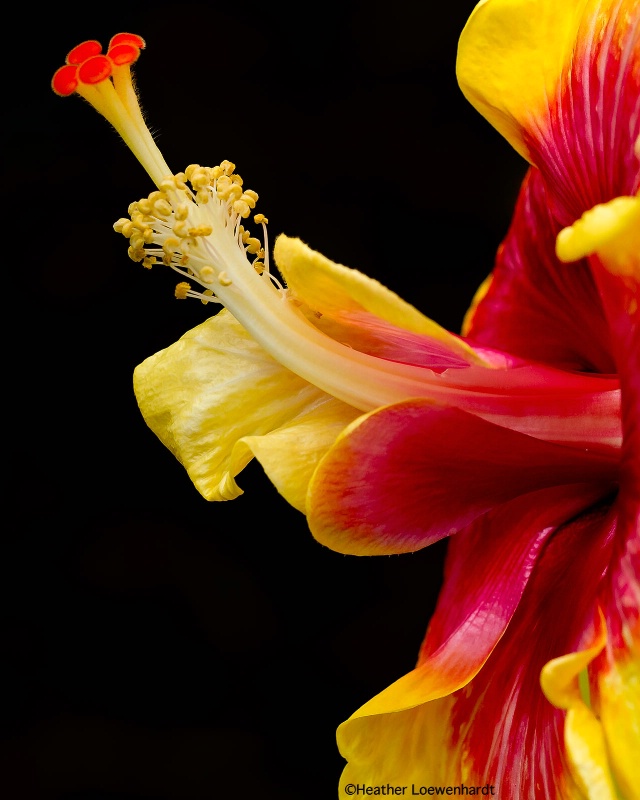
(208, 274)
(223, 279)
(155, 196)
(181, 290)
(258, 266)
(133, 208)
(137, 241)
(147, 235)
(200, 178)
(162, 208)
(237, 179)
(170, 245)
(184, 260)
(245, 236)
(182, 212)
(248, 198)
(241, 209)
(202, 196)
(180, 179)
(141, 221)
(201, 230)
(180, 229)
(168, 184)
(120, 224)
(260, 219)
(148, 262)
(145, 206)
(129, 229)
(136, 255)
(253, 245)
(190, 170)
(227, 167)
(253, 195)
(207, 293)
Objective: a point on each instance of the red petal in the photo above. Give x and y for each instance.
(512, 734)
(487, 568)
(409, 474)
(536, 307)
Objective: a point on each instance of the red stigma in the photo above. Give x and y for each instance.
(127, 38)
(65, 80)
(83, 51)
(95, 70)
(123, 54)
(86, 64)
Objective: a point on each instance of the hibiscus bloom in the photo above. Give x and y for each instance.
(520, 438)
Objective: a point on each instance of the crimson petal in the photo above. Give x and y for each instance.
(407, 475)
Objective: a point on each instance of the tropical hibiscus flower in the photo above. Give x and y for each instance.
(519, 439)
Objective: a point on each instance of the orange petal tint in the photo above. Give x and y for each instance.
(94, 70)
(123, 54)
(83, 51)
(127, 38)
(65, 80)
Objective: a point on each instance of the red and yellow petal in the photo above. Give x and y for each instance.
(618, 704)
(599, 685)
(472, 711)
(561, 681)
(510, 58)
(407, 475)
(615, 672)
(561, 81)
(364, 314)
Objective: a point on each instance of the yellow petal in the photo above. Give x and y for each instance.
(510, 58)
(612, 230)
(583, 734)
(406, 748)
(619, 689)
(478, 297)
(334, 289)
(213, 395)
(290, 454)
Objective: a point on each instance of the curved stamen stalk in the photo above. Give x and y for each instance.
(192, 223)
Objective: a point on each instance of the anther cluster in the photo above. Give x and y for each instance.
(188, 222)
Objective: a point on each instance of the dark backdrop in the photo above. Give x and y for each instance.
(157, 646)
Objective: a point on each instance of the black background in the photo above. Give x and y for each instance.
(157, 646)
